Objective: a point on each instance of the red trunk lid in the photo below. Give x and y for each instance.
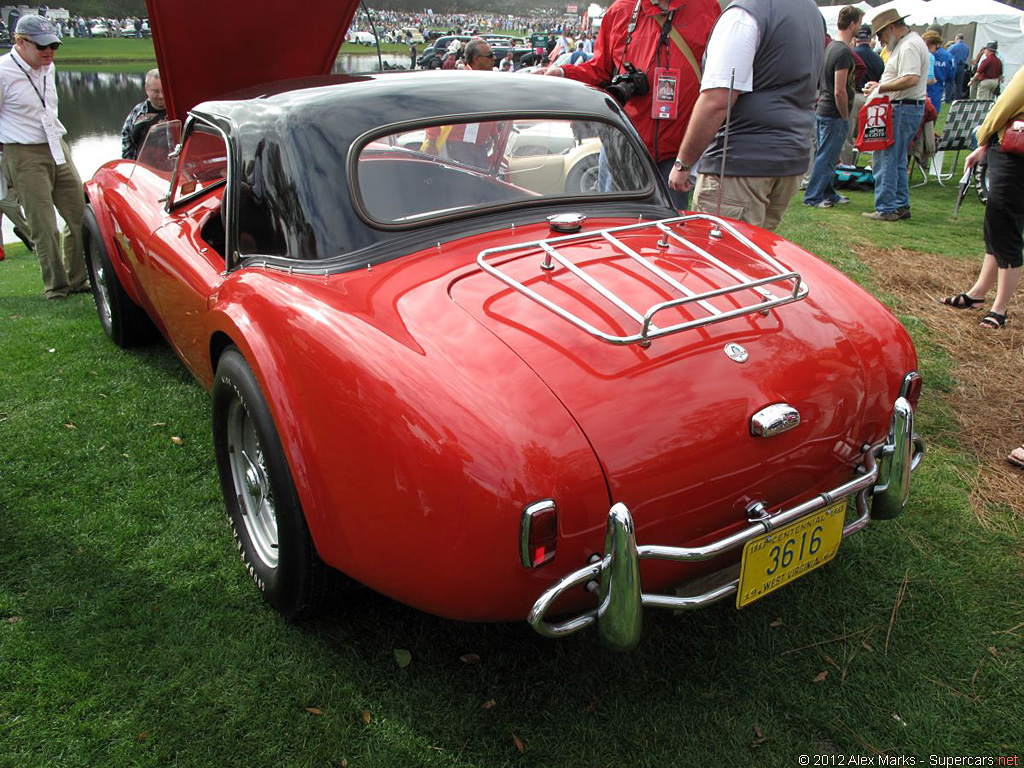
(671, 423)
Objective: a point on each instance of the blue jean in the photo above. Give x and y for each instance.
(890, 165)
(680, 200)
(831, 132)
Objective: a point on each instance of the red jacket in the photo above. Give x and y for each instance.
(694, 20)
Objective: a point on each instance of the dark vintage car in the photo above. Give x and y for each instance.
(433, 55)
(486, 401)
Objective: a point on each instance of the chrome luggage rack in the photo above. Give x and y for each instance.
(648, 330)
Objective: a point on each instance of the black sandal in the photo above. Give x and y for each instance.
(993, 321)
(961, 301)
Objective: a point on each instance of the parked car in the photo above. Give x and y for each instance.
(484, 401)
(99, 29)
(363, 38)
(433, 55)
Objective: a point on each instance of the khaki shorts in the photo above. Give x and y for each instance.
(757, 200)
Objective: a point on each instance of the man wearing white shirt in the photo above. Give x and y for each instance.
(36, 158)
(767, 55)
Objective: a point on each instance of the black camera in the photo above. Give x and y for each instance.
(627, 84)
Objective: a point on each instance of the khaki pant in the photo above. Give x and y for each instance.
(987, 89)
(10, 207)
(757, 200)
(43, 185)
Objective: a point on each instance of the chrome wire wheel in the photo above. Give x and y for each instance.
(588, 182)
(252, 485)
(99, 281)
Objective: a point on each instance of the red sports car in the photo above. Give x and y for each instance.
(485, 401)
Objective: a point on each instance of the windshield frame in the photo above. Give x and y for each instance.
(377, 133)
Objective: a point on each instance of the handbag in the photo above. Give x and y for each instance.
(1013, 136)
(875, 125)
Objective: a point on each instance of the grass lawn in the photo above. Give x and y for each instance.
(105, 50)
(130, 633)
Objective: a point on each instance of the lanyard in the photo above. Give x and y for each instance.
(40, 95)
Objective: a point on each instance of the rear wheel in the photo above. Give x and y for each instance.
(124, 321)
(262, 503)
(582, 178)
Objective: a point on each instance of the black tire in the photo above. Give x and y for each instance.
(262, 504)
(582, 177)
(435, 63)
(124, 321)
(981, 182)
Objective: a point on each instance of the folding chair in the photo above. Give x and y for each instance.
(958, 134)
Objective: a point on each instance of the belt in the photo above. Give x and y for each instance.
(909, 102)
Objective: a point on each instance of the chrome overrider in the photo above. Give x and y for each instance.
(883, 476)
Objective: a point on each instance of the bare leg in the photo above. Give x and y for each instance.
(986, 278)
(1007, 283)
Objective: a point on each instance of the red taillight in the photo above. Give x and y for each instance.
(538, 534)
(911, 388)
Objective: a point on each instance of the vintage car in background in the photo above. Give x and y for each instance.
(540, 155)
(485, 401)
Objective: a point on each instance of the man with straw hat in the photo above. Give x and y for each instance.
(904, 81)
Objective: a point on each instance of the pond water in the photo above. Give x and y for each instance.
(93, 106)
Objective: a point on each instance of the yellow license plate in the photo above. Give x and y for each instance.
(777, 558)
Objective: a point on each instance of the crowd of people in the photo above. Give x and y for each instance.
(692, 79)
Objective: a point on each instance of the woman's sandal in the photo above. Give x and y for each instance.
(1016, 457)
(993, 321)
(961, 301)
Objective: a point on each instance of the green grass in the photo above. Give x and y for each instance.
(105, 50)
(131, 635)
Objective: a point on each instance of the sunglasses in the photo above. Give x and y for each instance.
(486, 55)
(51, 46)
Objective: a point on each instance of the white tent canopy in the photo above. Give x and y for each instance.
(831, 14)
(995, 22)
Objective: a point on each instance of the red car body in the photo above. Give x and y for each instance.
(422, 405)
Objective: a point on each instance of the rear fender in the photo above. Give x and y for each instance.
(413, 474)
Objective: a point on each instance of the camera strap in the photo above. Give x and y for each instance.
(681, 44)
(629, 33)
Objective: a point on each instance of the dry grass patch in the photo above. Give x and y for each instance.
(988, 400)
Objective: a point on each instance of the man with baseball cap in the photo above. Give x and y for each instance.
(904, 81)
(990, 72)
(36, 157)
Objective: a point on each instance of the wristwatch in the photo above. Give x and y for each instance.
(679, 165)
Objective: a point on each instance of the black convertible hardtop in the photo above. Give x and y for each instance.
(291, 143)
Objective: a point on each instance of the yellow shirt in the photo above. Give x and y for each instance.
(1009, 104)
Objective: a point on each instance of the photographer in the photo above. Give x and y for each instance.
(646, 50)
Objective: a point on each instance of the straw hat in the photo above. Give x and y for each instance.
(885, 18)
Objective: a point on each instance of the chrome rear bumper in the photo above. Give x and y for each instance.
(884, 475)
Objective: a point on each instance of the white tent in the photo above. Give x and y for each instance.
(994, 21)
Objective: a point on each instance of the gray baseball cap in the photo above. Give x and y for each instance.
(38, 29)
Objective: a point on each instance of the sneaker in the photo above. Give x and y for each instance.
(879, 216)
(24, 238)
(903, 213)
(822, 204)
(841, 200)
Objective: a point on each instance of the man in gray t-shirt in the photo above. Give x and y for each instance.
(832, 119)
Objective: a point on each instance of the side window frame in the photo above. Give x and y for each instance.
(231, 258)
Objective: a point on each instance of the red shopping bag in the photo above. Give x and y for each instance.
(875, 125)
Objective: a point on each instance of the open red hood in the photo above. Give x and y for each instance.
(208, 49)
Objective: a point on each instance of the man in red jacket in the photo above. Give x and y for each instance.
(664, 40)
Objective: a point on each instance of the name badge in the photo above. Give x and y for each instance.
(53, 130)
(666, 94)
